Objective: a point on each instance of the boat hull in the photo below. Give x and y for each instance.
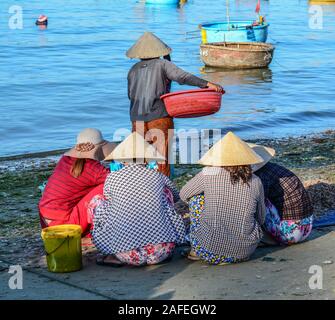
(235, 31)
(322, 2)
(231, 55)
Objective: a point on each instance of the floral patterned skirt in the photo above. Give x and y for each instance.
(147, 255)
(196, 206)
(92, 205)
(286, 232)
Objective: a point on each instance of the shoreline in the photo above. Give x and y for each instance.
(31, 155)
(54, 152)
(48, 159)
(310, 157)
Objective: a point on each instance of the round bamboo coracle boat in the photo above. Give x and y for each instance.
(237, 55)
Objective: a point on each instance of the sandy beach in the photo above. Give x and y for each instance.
(311, 157)
(272, 272)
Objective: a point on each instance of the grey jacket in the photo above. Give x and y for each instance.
(148, 80)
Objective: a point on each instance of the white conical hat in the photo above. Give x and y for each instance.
(148, 46)
(265, 152)
(135, 147)
(230, 151)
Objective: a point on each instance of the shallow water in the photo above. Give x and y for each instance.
(57, 81)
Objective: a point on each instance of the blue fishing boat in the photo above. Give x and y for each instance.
(169, 2)
(234, 31)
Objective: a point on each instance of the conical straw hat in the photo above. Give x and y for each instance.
(135, 147)
(230, 151)
(148, 46)
(265, 152)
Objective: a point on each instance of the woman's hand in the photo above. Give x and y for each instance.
(167, 57)
(216, 87)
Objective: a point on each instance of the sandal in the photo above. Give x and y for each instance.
(101, 261)
(192, 256)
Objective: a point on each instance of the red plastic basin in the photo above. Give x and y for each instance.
(192, 103)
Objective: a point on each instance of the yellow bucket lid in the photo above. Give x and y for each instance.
(61, 231)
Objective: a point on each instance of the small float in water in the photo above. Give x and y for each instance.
(237, 55)
(42, 20)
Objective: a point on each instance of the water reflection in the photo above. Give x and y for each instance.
(182, 3)
(237, 77)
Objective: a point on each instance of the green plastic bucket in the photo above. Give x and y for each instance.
(63, 247)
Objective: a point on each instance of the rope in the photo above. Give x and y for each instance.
(227, 12)
(194, 31)
(280, 65)
(195, 37)
(53, 251)
(275, 60)
(273, 40)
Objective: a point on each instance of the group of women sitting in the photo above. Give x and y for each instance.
(128, 209)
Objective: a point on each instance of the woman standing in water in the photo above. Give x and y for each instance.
(148, 80)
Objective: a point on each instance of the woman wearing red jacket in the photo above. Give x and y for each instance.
(76, 182)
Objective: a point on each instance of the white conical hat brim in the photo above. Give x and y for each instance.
(148, 46)
(265, 152)
(230, 151)
(135, 147)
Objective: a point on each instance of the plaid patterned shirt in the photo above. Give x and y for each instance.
(136, 211)
(286, 192)
(233, 213)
